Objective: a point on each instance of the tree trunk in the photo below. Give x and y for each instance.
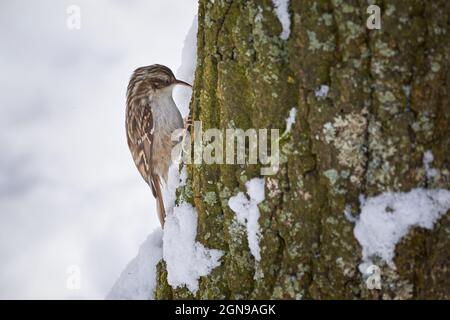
(388, 103)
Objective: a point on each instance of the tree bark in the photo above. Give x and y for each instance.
(388, 103)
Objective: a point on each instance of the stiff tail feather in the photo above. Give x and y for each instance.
(159, 201)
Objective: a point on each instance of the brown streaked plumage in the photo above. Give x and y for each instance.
(151, 117)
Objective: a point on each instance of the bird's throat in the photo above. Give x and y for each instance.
(166, 115)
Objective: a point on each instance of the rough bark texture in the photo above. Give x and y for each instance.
(368, 136)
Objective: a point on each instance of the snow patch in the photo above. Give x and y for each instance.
(175, 179)
(247, 213)
(322, 91)
(183, 176)
(186, 259)
(186, 72)
(138, 280)
(282, 12)
(428, 158)
(387, 218)
(291, 120)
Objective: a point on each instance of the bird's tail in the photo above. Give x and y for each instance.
(159, 200)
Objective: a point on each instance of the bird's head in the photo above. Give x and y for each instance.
(158, 77)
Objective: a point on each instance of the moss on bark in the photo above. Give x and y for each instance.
(387, 104)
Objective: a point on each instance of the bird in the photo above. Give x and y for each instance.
(151, 118)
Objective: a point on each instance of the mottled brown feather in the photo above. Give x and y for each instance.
(139, 124)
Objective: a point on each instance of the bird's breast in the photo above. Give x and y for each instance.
(166, 119)
(166, 116)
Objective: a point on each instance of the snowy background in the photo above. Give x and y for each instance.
(69, 191)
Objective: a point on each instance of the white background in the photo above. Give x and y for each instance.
(69, 191)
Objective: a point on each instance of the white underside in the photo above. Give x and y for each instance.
(166, 119)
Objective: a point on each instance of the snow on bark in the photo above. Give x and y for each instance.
(175, 179)
(186, 72)
(247, 213)
(428, 158)
(291, 119)
(387, 218)
(322, 92)
(186, 259)
(282, 12)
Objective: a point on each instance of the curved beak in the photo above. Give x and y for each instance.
(183, 83)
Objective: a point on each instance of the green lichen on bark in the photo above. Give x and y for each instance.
(387, 104)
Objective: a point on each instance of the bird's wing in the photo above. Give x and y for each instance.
(140, 139)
